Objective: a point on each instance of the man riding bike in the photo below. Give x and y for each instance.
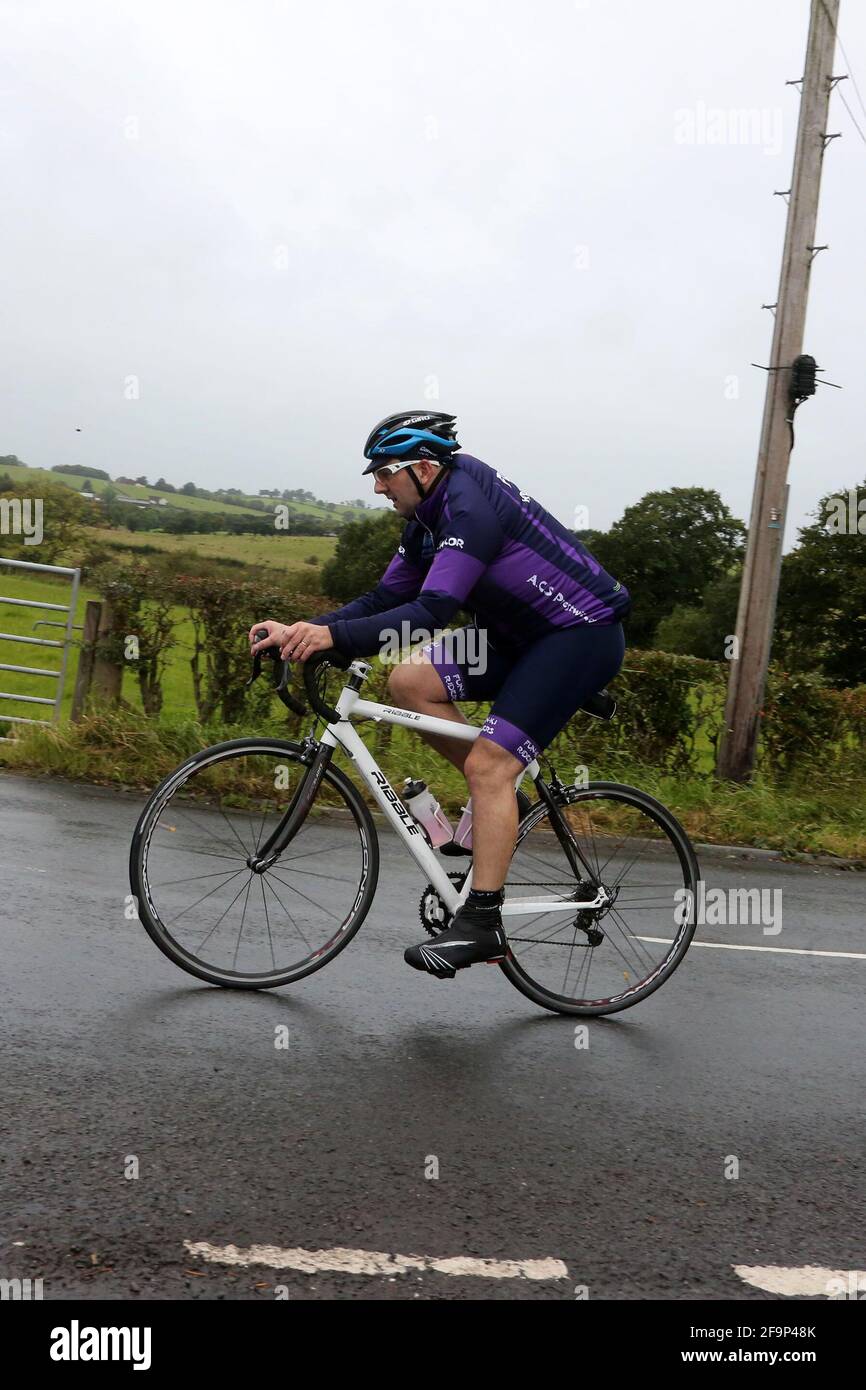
(547, 616)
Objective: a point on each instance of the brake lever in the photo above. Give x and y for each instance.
(281, 674)
(289, 700)
(330, 657)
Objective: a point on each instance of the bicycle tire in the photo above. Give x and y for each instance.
(664, 818)
(149, 915)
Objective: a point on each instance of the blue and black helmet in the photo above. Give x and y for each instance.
(412, 434)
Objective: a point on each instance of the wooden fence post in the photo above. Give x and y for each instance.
(107, 674)
(86, 660)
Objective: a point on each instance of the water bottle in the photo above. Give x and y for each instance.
(425, 809)
(463, 833)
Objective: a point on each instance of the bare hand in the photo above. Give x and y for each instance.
(296, 641)
(303, 639)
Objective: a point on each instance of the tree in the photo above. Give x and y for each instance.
(143, 481)
(59, 514)
(665, 549)
(821, 613)
(189, 489)
(141, 597)
(87, 486)
(78, 470)
(364, 550)
(703, 631)
(179, 522)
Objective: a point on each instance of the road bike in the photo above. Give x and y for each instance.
(256, 862)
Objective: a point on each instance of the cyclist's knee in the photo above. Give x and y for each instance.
(487, 764)
(411, 682)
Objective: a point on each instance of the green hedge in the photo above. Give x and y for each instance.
(670, 707)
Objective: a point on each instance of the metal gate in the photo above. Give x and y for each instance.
(68, 624)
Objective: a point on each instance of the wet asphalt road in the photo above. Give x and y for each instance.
(610, 1159)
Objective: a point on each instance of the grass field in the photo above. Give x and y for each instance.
(21, 621)
(281, 551)
(36, 476)
(177, 683)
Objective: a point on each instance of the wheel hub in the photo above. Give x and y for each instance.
(587, 921)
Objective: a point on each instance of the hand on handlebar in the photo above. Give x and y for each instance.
(296, 641)
(270, 637)
(303, 639)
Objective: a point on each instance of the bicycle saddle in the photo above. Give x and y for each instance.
(601, 705)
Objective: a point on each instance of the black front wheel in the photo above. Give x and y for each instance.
(202, 903)
(617, 844)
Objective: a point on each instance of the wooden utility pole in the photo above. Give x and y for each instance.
(760, 584)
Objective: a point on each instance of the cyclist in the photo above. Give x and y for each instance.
(547, 628)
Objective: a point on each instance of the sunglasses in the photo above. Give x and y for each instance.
(389, 469)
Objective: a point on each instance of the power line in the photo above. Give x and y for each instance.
(850, 74)
(853, 118)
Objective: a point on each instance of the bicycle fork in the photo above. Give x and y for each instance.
(298, 808)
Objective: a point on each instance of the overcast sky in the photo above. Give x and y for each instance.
(278, 222)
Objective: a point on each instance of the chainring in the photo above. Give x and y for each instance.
(435, 917)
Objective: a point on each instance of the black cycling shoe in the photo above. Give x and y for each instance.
(461, 945)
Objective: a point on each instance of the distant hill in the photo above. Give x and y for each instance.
(237, 502)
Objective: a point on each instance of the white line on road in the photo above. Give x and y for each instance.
(340, 1260)
(804, 1280)
(778, 950)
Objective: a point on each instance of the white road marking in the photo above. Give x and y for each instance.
(803, 1280)
(778, 950)
(341, 1260)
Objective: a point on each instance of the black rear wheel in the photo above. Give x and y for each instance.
(216, 917)
(625, 848)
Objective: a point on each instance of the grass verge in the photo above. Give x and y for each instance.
(812, 814)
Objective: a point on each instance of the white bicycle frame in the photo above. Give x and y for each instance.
(342, 734)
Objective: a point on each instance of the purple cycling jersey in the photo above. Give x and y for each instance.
(477, 542)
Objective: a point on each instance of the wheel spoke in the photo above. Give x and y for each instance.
(307, 899)
(243, 919)
(267, 921)
(600, 944)
(182, 812)
(216, 889)
(225, 914)
(234, 831)
(287, 912)
(232, 931)
(196, 878)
